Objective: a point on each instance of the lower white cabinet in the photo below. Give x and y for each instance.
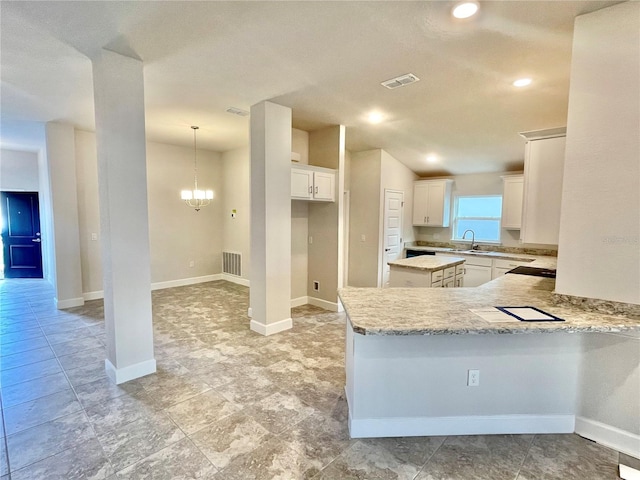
(476, 275)
(313, 184)
(500, 267)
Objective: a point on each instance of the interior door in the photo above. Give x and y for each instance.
(21, 239)
(392, 244)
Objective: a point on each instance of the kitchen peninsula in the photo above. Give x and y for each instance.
(409, 352)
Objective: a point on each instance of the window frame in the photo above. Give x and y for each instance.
(454, 220)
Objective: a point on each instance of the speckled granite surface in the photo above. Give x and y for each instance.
(427, 263)
(487, 254)
(446, 311)
(493, 248)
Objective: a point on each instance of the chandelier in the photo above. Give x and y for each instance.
(196, 198)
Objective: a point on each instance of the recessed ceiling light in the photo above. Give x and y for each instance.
(522, 82)
(237, 111)
(432, 158)
(465, 9)
(375, 117)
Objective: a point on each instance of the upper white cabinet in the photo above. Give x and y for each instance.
(512, 195)
(432, 203)
(313, 183)
(543, 171)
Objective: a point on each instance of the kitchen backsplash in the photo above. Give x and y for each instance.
(552, 252)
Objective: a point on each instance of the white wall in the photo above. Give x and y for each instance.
(299, 224)
(599, 251)
(476, 184)
(364, 228)
(599, 255)
(326, 149)
(61, 171)
(235, 231)
(178, 234)
(19, 171)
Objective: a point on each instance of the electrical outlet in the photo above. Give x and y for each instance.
(310, 240)
(473, 378)
(363, 238)
(192, 264)
(316, 286)
(94, 237)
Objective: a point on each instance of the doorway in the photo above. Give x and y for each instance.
(20, 235)
(392, 247)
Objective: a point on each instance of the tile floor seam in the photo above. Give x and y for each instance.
(524, 459)
(424, 465)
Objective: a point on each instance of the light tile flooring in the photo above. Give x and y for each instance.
(225, 404)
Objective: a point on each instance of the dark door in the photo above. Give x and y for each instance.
(21, 240)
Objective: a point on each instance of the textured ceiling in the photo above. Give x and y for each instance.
(325, 60)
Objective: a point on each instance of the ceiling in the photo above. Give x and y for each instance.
(325, 60)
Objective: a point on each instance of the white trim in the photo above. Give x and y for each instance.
(318, 302)
(463, 425)
(181, 282)
(233, 279)
(121, 375)
(271, 328)
(297, 302)
(616, 438)
(70, 302)
(97, 295)
(628, 473)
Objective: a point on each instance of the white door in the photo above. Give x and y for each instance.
(392, 234)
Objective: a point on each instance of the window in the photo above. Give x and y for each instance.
(482, 214)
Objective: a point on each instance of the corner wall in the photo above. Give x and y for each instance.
(177, 234)
(599, 251)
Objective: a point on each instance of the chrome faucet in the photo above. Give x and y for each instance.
(473, 239)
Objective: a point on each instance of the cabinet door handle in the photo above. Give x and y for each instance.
(310, 189)
(425, 219)
(316, 190)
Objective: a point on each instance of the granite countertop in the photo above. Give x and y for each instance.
(427, 263)
(446, 311)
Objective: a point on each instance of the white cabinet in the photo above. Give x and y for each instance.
(543, 171)
(432, 203)
(313, 184)
(500, 267)
(477, 270)
(512, 195)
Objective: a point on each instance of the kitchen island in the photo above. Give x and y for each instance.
(409, 352)
(426, 271)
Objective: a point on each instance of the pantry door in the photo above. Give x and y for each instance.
(392, 244)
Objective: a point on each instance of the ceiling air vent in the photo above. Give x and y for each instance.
(400, 81)
(237, 111)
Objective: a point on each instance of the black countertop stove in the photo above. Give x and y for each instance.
(535, 271)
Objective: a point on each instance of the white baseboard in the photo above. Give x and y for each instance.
(233, 279)
(68, 303)
(121, 375)
(628, 473)
(97, 295)
(181, 282)
(297, 302)
(318, 302)
(271, 328)
(467, 425)
(616, 438)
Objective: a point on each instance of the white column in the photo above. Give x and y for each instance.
(122, 188)
(270, 294)
(61, 171)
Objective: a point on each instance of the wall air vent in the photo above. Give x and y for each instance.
(237, 111)
(400, 81)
